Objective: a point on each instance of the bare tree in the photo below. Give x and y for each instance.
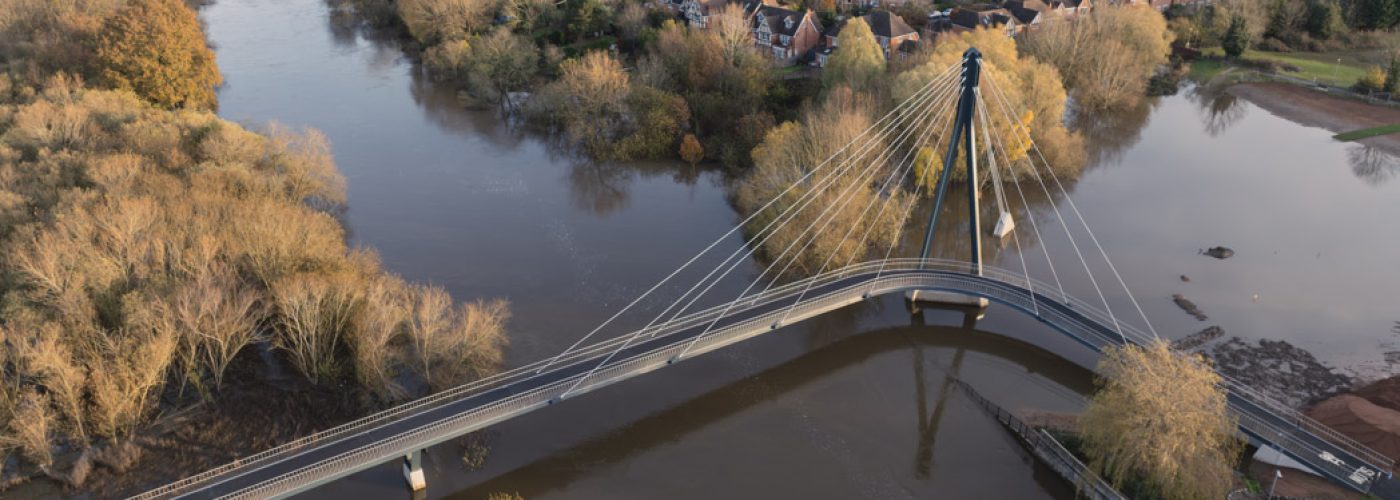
(731, 25)
(218, 315)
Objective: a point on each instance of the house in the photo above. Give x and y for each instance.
(891, 32)
(848, 5)
(971, 17)
(1030, 14)
(697, 12)
(785, 34)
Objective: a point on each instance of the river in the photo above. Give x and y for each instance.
(854, 404)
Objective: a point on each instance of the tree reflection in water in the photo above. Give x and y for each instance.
(599, 187)
(1111, 132)
(1219, 108)
(1371, 165)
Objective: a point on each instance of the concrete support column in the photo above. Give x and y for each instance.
(413, 471)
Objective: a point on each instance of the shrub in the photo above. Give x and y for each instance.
(449, 61)
(1373, 80)
(156, 49)
(691, 151)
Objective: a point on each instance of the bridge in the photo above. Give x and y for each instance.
(402, 432)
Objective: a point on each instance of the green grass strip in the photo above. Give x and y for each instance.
(1368, 132)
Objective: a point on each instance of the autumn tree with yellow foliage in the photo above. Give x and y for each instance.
(1107, 57)
(1161, 417)
(1024, 104)
(156, 49)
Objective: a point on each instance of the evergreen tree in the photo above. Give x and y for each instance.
(1280, 21)
(1377, 14)
(1325, 19)
(1236, 38)
(156, 49)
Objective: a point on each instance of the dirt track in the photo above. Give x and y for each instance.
(1316, 109)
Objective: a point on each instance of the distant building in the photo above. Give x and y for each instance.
(697, 13)
(785, 34)
(971, 17)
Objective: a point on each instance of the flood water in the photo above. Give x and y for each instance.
(854, 404)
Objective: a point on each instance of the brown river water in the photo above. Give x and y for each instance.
(850, 405)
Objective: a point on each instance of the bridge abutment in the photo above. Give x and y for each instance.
(413, 472)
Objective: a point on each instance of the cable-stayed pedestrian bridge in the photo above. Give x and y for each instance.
(391, 435)
(880, 160)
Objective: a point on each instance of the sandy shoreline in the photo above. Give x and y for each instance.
(1316, 109)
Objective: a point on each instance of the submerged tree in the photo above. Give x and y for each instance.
(1105, 58)
(1162, 417)
(156, 49)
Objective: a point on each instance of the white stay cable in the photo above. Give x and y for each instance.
(842, 200)
(994, 144)
(879, 160)
(898, 173)
(909, 212)
(1005, 109)
(787, 215)
(638, 333)
(741, 224)
(1035, 227)
(1111, 267)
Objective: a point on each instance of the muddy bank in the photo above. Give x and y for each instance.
(253, 412)
(1280, 369)
(1316, 109)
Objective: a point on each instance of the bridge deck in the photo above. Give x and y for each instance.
(387, 436)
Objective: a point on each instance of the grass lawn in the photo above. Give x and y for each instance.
(1204, 70)
(1368, 132)
(1320, 66)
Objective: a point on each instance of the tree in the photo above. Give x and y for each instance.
(1163, 417)
(1377, 14)
(1325, 19)
(1027, 91)
(1108, 57)
(156, 49)
(786, 154)
(506, 60)
(435, 21)
(590, 16)
(691, 151)
(858, 62)
(1284, 18)
(731, 26)
(1236, 38)
(632, 21)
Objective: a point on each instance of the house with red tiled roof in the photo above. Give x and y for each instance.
(785, 34)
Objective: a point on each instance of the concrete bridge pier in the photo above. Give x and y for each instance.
(973, 308)
(413, 473)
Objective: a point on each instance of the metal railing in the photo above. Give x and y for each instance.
(1048, 449)
(878, 278)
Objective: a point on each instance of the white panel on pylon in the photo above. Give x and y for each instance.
(1004, 225)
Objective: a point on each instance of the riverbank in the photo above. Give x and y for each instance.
(1316, 109)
